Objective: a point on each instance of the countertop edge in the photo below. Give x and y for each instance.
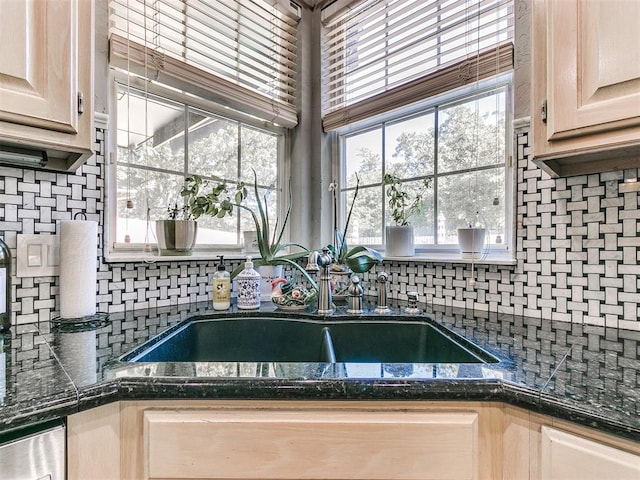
(482, 390)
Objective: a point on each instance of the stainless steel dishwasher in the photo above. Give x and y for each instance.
(35, 453)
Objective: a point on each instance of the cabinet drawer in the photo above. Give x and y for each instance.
(310, 444)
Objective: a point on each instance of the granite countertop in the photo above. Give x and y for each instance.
(582, 373)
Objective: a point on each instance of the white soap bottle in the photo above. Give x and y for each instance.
(248, 281)
(221, 287)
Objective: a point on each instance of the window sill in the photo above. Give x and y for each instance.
(497, 258)
(153, 257)
(493, 258)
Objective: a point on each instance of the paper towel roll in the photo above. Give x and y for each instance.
(78, 269)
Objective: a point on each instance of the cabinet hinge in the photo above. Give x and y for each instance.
(543, 112)
(80, 103)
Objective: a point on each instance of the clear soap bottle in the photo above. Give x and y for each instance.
(248, 287)
(221, 287)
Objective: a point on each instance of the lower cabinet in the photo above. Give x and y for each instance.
(545, 448)
(565, 456)
(285, 440)
(337, 440)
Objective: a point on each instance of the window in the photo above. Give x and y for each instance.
(203, 87)
(161, 141)
(421, 89)
(460, 146)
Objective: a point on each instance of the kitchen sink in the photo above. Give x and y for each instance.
(272, 339)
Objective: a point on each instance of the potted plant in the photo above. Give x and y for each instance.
(176, 235)
(220, 202)
(471, 241)
(399, 237)
(357, 259)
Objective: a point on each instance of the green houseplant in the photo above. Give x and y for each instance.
(358, 259)
(176, 235)
(220, 201)
(399, 237)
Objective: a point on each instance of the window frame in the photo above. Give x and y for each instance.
(503, 253)
(120, 251)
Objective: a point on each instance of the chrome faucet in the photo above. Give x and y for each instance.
(382, 293)
(355, 292)
(321, 262)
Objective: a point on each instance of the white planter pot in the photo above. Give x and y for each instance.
(400, 241)
(471, 242)
(176, 237)
(268, 274)
(250, 241)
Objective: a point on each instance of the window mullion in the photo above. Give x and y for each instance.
(436, 135)
(186, 141)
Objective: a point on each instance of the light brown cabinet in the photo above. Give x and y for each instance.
(46, 79)
(209, 439)
(538, 447)
(566, 456)
(586, 85)
(285, 440)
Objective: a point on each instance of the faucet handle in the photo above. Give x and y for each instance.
(412, 304)
(355, 292)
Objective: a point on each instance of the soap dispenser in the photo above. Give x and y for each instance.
(221, 287)
(248, 287)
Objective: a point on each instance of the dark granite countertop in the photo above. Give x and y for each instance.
(586, 374)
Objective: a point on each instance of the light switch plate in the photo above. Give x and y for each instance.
(38, 255)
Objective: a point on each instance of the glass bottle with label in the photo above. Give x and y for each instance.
(5, 286)
(221, 287)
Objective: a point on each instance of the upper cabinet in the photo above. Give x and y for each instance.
(586, 85)
(46, 81)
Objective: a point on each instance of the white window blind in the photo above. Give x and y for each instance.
(384, 54)
(239, 53)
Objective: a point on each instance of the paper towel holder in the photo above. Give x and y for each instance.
(80, 323)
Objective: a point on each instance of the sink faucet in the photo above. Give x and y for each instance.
(382, 293)
(321, 262)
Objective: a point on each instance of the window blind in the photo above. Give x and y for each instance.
(240, 53)
(384, 54)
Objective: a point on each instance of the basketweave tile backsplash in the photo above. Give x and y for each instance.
(576, 248)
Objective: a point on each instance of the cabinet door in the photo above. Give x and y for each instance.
(46, 63)
(566, 456)
(594, 67)
(38, 64)
(307, 444)
(587, 75)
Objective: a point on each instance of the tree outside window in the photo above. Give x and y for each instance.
(460, 146)
(161, 142)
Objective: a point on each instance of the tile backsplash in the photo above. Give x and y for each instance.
(576, 246)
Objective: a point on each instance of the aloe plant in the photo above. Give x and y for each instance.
(219, 201)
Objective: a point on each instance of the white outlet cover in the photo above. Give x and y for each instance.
(38, 255)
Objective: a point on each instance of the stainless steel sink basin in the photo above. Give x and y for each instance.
(271, 339)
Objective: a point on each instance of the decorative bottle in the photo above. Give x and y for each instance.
(221, 287)
(248, 287)
(5, 286)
